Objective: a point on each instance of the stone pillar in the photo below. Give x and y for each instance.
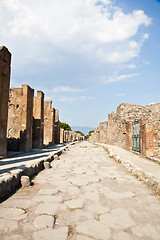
(5, 66)
(49, 119)
(38, 120)
(61, 135)
(20, 119)
(57, 128)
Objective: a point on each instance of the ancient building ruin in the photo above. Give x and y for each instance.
(62, 136)
(5, 66)
(49, 122)
(38, 120)
(57, 128)
(20, 119)
(134, 127)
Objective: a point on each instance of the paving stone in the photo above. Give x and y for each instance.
(94, 229)
(118, 218)
(8, 225)
(44, 221)
(79, 181)
(147, 231)
(53, 234)
(96, 208)
(12, 213)
(73, 190)
(124, 236)
(77, 203)
(80, 237)
(48, 198)
(14, 237)
(18, 203)
(48, 208)
(48, 191)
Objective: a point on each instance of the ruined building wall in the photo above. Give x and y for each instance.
(119, 128)
(38, 120)
(49, 119)
(20, 119)
(61, 135)
(103, 131)
(5, 63)
(57, 127)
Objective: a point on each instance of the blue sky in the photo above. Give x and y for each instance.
(87, 56)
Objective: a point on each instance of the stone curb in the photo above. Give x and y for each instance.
(10, 181)
(149, 179)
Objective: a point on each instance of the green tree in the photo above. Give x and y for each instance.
(79, 132)
(65, 126)
(89, 134)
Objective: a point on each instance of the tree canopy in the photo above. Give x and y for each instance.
(79, 132)
(65, 126)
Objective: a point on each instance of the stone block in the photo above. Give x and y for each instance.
(25, 181)
(47, 165)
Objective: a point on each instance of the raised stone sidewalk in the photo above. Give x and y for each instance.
(86, 195)
(146, 170)
(12, 168)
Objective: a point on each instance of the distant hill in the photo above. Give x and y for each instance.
(84, 130)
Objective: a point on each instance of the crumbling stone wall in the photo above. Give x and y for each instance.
(61, 135)
(5, 66)
(38, 120)
(103, 131)
(20, 119)
(49, 122)
(118, 129)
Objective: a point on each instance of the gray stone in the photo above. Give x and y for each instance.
(8, 225)
(44, 221)
(146, 231)
(80, 237)
(47, 165)
(12, 213)
(94, 229)
(56, 157)
(25, 181)
(48, 199)
(49, 208)
(75, 203)
(48, 191)
(53, 234)
(118, 219)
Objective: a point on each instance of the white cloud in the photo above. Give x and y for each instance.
(67, 89)
(120, 78)
(100, 31)
(146, 62)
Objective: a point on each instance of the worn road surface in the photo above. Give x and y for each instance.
(85, 195)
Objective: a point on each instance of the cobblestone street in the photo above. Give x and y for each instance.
(85, 195)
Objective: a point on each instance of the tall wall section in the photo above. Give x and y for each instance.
(20, 119)
(57, 127)
(38, 120)
(5, 66)
(49, 120)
